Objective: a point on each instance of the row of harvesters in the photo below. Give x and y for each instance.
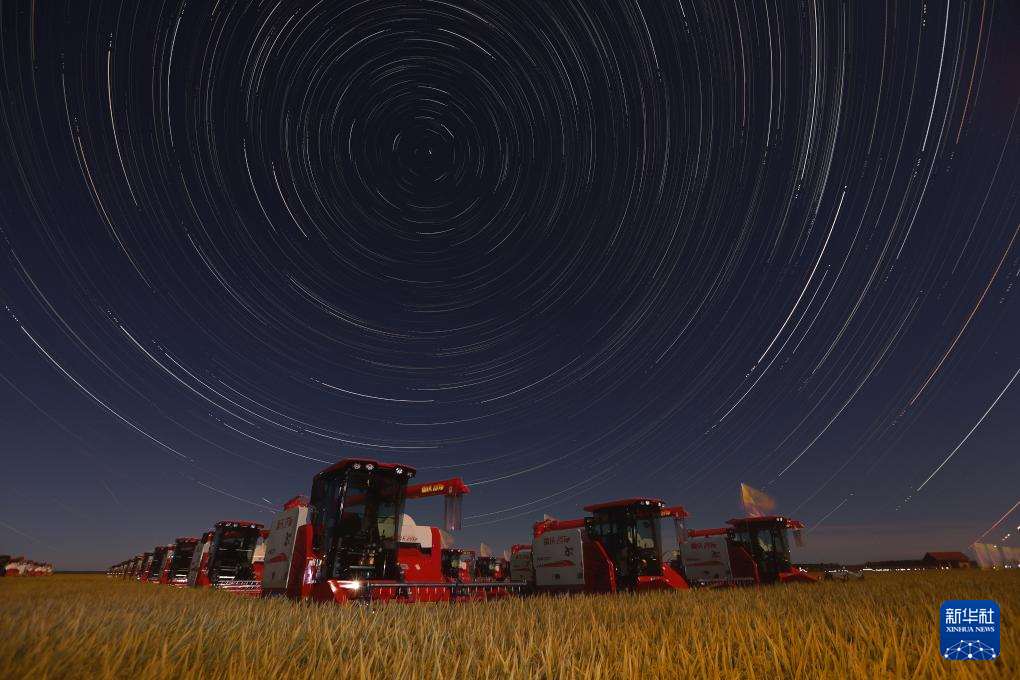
(619, 548)
(350, 540)
(352, 529)
(228, 556)
(19, 566)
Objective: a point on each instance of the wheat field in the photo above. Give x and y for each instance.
(883, 627)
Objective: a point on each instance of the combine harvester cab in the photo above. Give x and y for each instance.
(750, 551)
(227, 561)
(142, 572)
(618, 548)
(344, 537)
(130, 566)
(490, 569)
(178, 561)
(159, 557)
(136, 565)
(348, 543)
(458, 565)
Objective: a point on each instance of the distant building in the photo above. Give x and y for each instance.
(899, 564)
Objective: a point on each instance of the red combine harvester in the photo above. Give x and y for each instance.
(347, 542)
(618, 548)
(491, 569)
(225, 558)
(458, 565)
(159, 557)
(142, 571)
(16, 566)
(128, 568)
(750, 551)
(19, 566)
(178, 561)
(426, 554)
(136, 565)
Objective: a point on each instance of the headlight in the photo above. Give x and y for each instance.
(353, 585)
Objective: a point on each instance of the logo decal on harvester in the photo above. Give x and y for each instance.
(970, 630)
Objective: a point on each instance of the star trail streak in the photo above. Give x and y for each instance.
(571, 251)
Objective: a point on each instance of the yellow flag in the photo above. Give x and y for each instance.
(755, 503)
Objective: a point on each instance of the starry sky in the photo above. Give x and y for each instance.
(568, 251)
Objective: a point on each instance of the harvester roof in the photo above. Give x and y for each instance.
(367, 464)
(765, 519)
(237, 524)
(624, 503)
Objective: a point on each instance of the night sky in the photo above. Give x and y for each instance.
(569, 251)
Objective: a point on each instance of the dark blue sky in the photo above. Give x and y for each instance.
(569, 252)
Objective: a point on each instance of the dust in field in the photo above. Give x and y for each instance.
(885, 626)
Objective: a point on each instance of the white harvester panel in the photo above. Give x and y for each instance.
(414, 534)
(520, 566)
(558, 557)
(706, 559)
(196, 561)
(279, 547)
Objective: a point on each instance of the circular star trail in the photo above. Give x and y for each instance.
(569, 251)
